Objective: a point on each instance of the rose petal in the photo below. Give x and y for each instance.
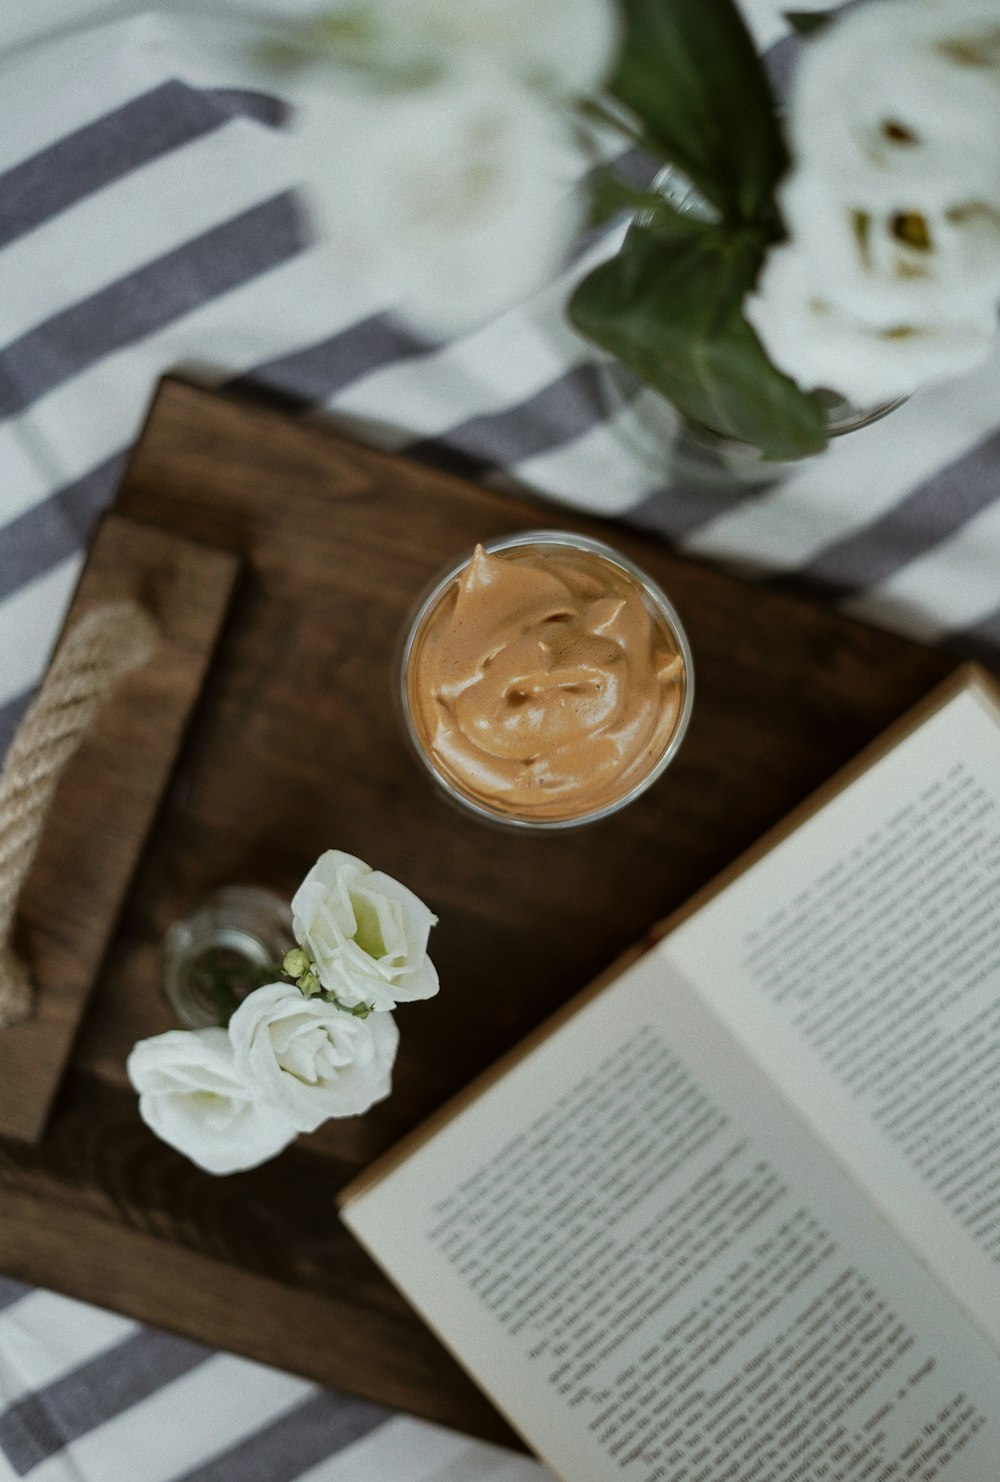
(309, 1058)
(192, 1097)
(813, 340)
(365, 932)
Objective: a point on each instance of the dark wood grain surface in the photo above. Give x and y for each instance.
(107, 797)
(296, 748)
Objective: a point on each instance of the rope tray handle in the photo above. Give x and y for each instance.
(104, 645)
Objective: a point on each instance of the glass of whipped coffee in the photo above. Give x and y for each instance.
(546, 681)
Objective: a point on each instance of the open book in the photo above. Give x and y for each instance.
(735, 1215)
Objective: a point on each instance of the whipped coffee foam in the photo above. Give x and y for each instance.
(541, 684)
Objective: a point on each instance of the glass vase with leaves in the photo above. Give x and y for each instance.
(789, 263)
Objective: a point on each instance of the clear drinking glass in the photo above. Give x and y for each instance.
(665, 620)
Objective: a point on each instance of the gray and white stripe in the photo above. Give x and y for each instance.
(85, 1394)
(862, 508)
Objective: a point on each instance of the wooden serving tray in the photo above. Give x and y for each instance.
(295, 748)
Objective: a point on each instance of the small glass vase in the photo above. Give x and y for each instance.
(228, 945)
(673, 447)
(676, 449)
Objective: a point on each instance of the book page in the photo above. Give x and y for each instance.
(658, 1275)
(859, 962)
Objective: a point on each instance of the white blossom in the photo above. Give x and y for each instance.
(902, 99)
(813, 340)
(192, 1096)
(456, 198)
(365, 932)
(892, 267)
(891, 274)
(308, 1059)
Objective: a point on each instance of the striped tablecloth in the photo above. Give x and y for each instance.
(148, 222)
(86, 1396)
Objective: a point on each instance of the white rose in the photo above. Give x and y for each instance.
(891, 275)
(903, 97)
(192, 1097)
(366, 933)
(891, 267)
(309, 1058)
(457, 198)
(813, 340)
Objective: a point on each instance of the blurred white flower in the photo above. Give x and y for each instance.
(456, 196)
(901, 100)
(366, 933)
(894, 266)
(309, 1060)
(813, 340)
(192, 1096)
(891, 276)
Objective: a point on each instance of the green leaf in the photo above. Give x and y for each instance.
(690, 71)
(670, 306)
(610, 196)
(808, 22)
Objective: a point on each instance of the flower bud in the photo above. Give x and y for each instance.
(295, 963)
